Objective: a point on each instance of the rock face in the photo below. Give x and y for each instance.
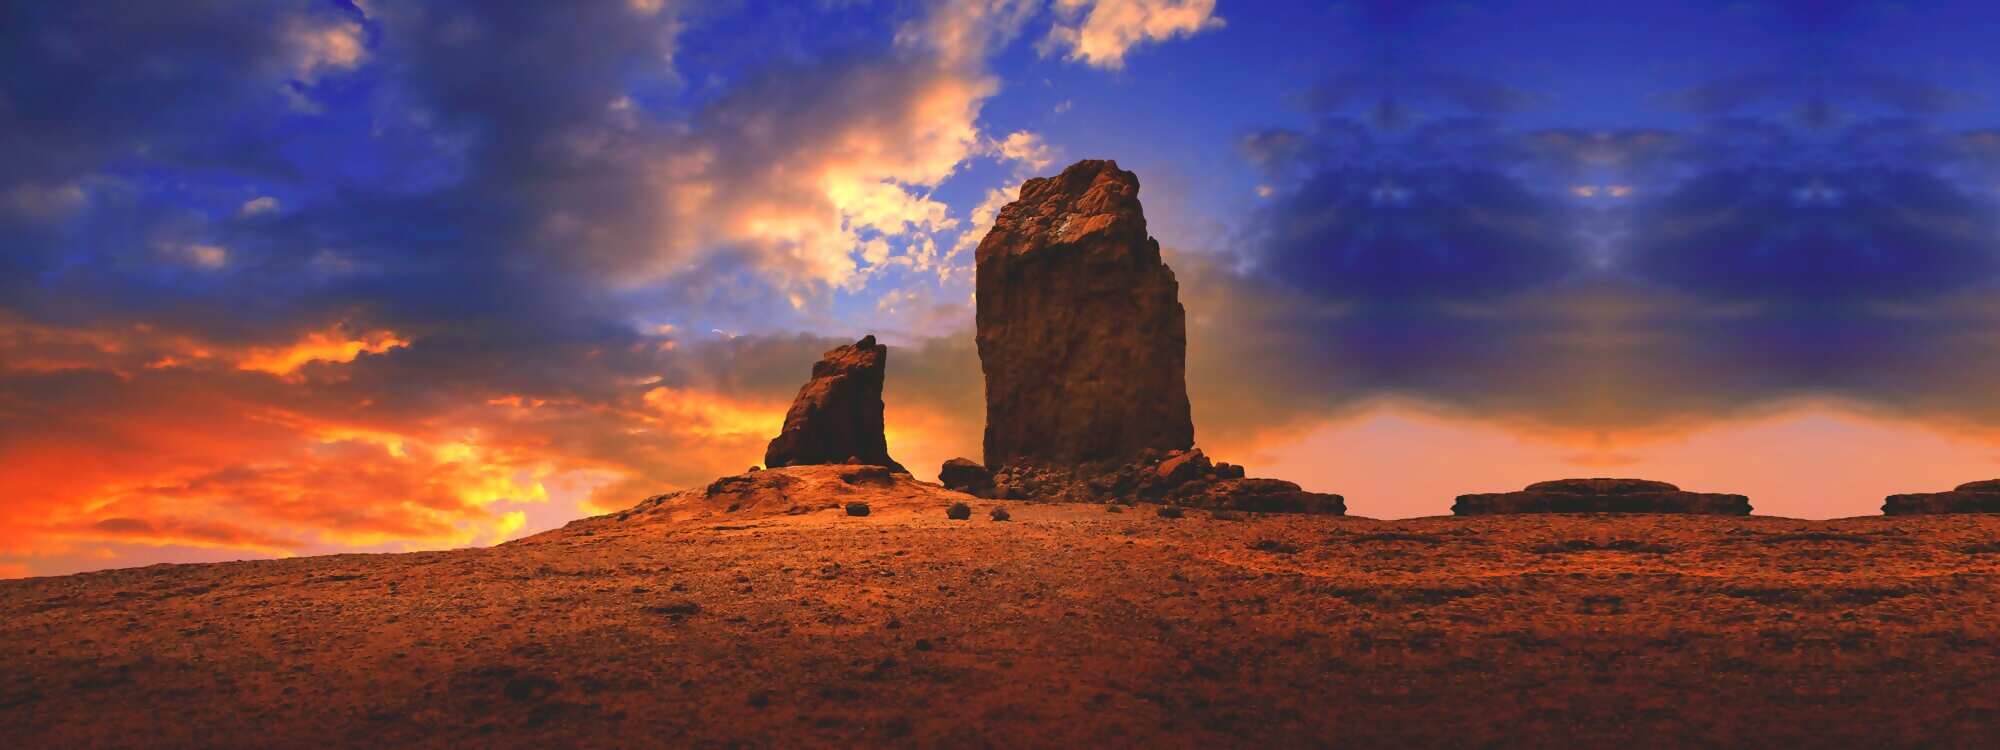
(1602, 496)
(838, 414)
(1971, 497)
(1081, 332)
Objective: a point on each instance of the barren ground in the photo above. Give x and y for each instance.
(1068, 626)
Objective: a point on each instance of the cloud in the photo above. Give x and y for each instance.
(322, 45)
(1027, 148)
(333, 345)
(1415, 233)
(263, 204)
(1834, 234)
(1099, 33)
(449, 440)
(1583, 284)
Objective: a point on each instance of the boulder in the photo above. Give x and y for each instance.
(1184, 467)
(1080, 328)
(1971, 497)
(837, 417)
(965, 475)
(1602, 496)
(1259, 496)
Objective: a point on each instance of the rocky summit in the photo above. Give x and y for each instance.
(1080, 327)
(1602, 496)
(1971, 497)
(837, 417)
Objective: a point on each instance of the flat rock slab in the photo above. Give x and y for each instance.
(1971, 497)
(1602, 496)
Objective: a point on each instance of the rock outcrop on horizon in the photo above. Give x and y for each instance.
(837, 416)
(1185, 478)
(1602, 496)
(965, 475)
(1971, 497)
(1081, 332)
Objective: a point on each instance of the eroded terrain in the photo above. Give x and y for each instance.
(1067, 626)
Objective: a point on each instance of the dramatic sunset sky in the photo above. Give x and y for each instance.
(296, 277)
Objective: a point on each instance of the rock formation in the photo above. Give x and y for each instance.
(838, 413)
(1971, 497)
(1081, 332)
(1168, 477)
(1602, 496)
(965, 475)
(1084, 345)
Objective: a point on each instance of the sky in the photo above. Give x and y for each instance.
(289, 278)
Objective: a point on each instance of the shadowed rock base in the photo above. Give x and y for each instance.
(1971, 497)
(1602, 496)
(1177, 477)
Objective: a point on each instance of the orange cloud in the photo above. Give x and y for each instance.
(331, 345)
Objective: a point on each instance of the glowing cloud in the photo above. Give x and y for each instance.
(331, 345)
(1099, 32)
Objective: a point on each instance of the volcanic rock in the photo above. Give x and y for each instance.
(837, 417)
(1971, 497)
(1184, 467)
(1602, 496)
(1258, 496)
(1080, 328)
(1182, 478)
(965, 475)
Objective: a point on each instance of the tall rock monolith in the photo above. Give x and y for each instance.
(1080, 327)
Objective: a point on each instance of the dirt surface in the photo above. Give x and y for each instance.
(793, 623)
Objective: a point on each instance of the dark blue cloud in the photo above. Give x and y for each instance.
(1834, 240)
(1414, 234)
(1804, 235)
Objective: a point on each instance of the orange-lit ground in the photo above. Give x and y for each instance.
(788, 622)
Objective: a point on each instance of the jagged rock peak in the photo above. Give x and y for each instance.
(837, 416)
(1092, 202)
